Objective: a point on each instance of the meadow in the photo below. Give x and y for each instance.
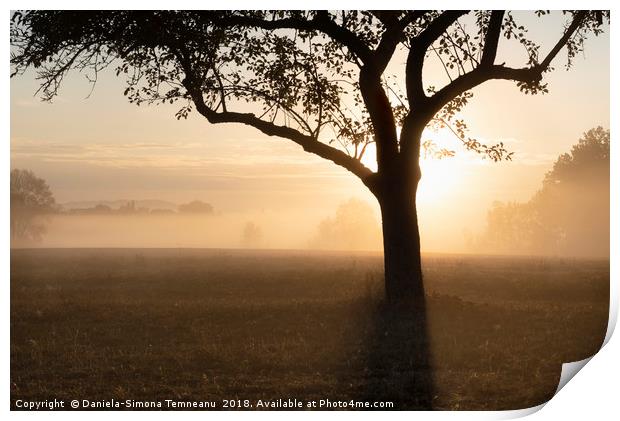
(208, 325)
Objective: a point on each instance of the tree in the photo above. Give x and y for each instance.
(517, 228)
(31, 201)
(128, 208)
(569, 214)
(316, 78)
(354, 227)
(196, 206)
(587, 161)
(252, 235)
(574, 199)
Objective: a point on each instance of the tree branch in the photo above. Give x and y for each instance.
(577, 21)
(392, 36)
(487, 71)
(491, 38)
(476, 77)
(308, 143)
(320, 22)
(381, 115)
(417, 52)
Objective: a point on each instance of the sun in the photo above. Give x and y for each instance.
(439, 176)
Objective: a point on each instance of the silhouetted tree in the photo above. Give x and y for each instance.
(128, 208)
(574, 199)
(317, 78)
(196, 206)
(252, 235)
(99, 209)
(31, 201)
(161, 212)
(587, 161)
(353, 227)
(568, 215)
(517, 228)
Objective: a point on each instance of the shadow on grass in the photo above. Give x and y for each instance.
(398, 363)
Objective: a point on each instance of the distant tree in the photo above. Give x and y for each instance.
(587, 161)
(196, 206)
(252, 235)
(128, 208)
(569, 214)
(99, 209)
(102, 209)
(574, 200)
(317, 78)
(354, 227)
(162, 212)
(31, 201)
(516, 228)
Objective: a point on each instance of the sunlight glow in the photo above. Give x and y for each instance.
(439, 176)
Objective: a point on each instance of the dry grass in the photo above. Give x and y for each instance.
(213, 324)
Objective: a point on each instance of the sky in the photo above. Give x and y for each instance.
(97, 146)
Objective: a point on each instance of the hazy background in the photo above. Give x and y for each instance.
(101, 148)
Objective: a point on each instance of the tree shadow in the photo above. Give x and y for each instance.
(397, 368)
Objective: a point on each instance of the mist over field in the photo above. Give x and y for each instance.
(508, 228)
(144, 231)
(352, 226)
(565, 214)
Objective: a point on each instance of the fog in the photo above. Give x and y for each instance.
(566, 215)
(176, 230)
(574, 221)
(565, 220)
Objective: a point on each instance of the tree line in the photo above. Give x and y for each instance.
(568, 215)
(33, 202)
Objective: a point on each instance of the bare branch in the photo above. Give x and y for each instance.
(491, 38)
(417, 52)
(483, 73)
(308, 143)
(577, 21)
(320, 22)
(381, 115)
(392, 37)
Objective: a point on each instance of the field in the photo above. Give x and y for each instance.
(208, 325)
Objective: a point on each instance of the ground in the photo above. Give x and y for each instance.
(207, 325)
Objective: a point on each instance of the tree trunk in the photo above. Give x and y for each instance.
(401, 243)
(404, 329)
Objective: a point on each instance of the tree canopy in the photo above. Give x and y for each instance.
(569, 215)
(587, 161)
(317, 78)
(196, 206)
(31, 199)
(353, 227)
